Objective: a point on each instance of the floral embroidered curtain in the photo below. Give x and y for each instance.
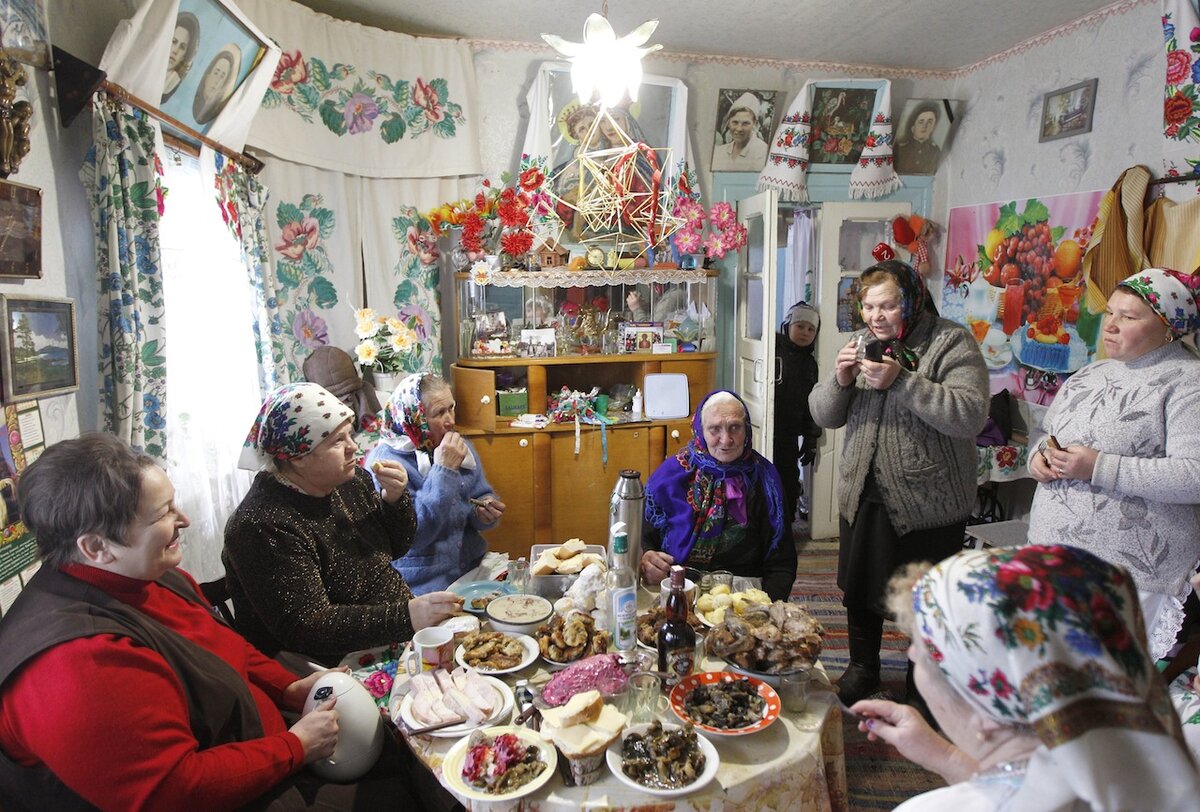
(121, 178)
(1181, 96)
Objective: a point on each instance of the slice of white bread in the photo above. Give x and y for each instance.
(546, 564)
(592, 558)
(580, 709)
(569, 549)
(571, 566)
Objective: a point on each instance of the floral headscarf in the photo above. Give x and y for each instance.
(293, 420)
(1171, 294)
(404, 415)
(1052, 638)
(689, 497)
(915, 306)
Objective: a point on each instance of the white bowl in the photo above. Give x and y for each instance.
(518, 614)
(711, 762)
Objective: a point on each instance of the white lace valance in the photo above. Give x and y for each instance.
(579, 279)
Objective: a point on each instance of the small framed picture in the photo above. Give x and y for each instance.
(539, 342)
(745, 121)
(641, 336)
(926, 127)
(1068, 111)
(20, 230)
(40, 357)
(662, 348)
(841, 120)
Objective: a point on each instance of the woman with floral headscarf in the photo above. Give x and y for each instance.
(907, 473)
(453, 499)
(718, 504)
(308, 552)
(1125, 483)
(1033, 661)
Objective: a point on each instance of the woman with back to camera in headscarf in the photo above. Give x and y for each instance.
(1125, 482)
(1033, 661)
(308, 553)
(795, 346)
(453, 500)
(718, 504)
(907, 470)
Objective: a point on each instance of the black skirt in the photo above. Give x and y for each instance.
(871, 551)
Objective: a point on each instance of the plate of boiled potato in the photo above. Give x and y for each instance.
(712, 606)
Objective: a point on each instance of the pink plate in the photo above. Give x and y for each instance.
(688, 684)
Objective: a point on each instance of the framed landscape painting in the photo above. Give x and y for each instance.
(40, 357)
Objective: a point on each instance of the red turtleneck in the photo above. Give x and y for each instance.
(109, 717)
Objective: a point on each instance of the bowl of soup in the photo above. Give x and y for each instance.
(518, 614)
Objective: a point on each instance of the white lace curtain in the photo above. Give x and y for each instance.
(211, 367)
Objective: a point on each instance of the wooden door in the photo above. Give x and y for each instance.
(580, 486)
(508, 465)
(679, 432)
(755, 309)
(474, 397)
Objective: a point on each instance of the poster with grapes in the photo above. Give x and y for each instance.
(1014, 277)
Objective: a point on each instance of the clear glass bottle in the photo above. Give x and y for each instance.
(621, 584)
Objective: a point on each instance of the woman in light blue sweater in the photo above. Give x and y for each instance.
(453, 499)
(1125, 482)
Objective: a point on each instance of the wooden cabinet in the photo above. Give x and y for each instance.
(552, 490)
(581, 484)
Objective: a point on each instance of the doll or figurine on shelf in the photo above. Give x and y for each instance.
(915, 233)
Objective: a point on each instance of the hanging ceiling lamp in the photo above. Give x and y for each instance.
(602, 65)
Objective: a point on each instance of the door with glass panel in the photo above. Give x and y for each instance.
(754, 337)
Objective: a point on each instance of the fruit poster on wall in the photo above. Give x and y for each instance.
(1014, 277)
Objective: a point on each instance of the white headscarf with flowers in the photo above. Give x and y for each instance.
(1052, 638)
(293, 420)
(406, 428)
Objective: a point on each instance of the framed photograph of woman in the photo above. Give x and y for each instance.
(745, 122)
(213, 49)
(926, 126)
(38, 343)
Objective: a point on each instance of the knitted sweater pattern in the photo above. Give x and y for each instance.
(1141, 509)
(314, 574)
(918, 436)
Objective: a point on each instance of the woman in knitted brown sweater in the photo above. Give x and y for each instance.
(907, 471)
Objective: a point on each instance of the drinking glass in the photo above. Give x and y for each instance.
(644, 690)
(518, 575)
(793, 691)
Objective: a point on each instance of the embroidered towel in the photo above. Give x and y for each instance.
(788, 162)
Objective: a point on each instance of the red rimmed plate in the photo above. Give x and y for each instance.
(771, 703)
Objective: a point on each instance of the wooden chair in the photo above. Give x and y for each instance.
(217, 594)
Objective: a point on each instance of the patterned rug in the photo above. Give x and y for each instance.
(877, 776)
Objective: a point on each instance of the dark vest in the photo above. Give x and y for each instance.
(55, 608)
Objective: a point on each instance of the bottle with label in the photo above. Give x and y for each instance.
(676, 637)
(621, 583)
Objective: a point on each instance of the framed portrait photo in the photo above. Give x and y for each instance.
(213, 50)
(745, 123)
(1068, 111)
(38, 342)
(923, 134)
(20, 230)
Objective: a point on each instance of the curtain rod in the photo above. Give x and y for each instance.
(1175, 179)
(248, 162)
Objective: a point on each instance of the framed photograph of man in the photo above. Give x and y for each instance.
(745, 122)
(213, 50)
(924, 132)
(1068, 111)
(40, 357)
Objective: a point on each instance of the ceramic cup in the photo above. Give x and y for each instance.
(432, 648)
(689, 589)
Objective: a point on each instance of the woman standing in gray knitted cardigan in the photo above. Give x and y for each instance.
(907, 472)
(1126, 483)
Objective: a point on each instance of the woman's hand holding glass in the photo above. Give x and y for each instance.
(451, 451)
(392, 478)
(846, 365)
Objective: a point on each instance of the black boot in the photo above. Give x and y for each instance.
(861, 678)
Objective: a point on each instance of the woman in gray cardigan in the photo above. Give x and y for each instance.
(907, 481)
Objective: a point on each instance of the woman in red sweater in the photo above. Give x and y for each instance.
(119, 688)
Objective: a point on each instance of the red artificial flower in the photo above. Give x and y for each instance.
(516, 243)
(1177, 109)
(512, 214)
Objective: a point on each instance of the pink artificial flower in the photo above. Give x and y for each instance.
(722, 216)
(1179, 67)
(290, 71)
(687, 241)
(298, 237)
(426, 98)
(713, 246)
(361, 112)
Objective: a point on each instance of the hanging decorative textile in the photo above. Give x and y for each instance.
(1181, 95)
(364, 101)
(788, 161)
(1115, 250)
(121, 177)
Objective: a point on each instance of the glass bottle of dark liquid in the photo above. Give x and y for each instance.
(676, 637)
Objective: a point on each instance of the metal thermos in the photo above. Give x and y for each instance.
(627, 505)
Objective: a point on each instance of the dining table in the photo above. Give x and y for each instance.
(796, 763)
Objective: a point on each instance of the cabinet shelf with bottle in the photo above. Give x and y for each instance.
(559, 482)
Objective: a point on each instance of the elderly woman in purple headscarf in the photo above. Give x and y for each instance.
(718, 504)
(453, 499)
(1125, 480)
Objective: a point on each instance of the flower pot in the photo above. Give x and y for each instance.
(385, 381)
